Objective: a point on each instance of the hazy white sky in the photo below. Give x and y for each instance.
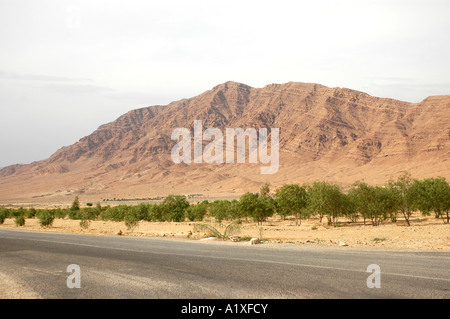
(66, 67)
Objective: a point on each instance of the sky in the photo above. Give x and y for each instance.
(67, 67)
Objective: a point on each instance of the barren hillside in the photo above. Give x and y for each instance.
(333, 134)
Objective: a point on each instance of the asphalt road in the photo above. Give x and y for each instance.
(136, 267)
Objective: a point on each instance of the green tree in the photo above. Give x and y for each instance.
(385, 204)
(197, 212)
(76, 204)
(349, 207)
(404, 194)
(175, 207)
(373, 202)
(255, 206)
(432, 194)
(233, 210)
(220, 210)
(155, 212)
(291, 199)
(264, 191)
(362, 194)
(141, 211)
(325, 199)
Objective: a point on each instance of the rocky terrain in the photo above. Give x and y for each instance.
(334, 134)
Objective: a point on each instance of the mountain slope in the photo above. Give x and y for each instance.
(336, 134)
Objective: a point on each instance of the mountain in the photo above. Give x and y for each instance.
(333, 134)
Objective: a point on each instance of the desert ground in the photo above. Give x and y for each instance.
(425, 232)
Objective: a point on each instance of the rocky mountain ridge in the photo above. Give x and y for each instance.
(334, 134)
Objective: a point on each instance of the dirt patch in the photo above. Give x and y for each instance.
(425, 233)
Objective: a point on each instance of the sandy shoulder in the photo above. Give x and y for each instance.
(425, 233)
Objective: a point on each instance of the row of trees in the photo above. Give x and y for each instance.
(375, 204)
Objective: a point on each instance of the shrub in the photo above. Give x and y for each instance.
(46, 218)
(155, 212)
(132, 217)
(84, 223)
(175, 208)
(19, 220)
(31, 213)
(76, 204)
(75, 214)
(197, 212)
(60, 213)
(89, 213)
(3, 215)
(115, 214)
(141, 211)
(19, 212)
(229, 230)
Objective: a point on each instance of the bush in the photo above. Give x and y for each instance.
(46, 218)
(84, 223)
(75, 204)
(115, 214)
(132, 218)
(19, 212)
(75, 214)
(31, 213)
(175, 208)
(155, 213)
(60, 213)
(141, 211)
(19, 220)
(90, 213)
(3, 215)
(229, 230)
(197, 212)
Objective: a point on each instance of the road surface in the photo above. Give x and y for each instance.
(137, 267)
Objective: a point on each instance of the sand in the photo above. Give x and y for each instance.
(425, 233)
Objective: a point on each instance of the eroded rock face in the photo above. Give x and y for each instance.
(334, 134)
